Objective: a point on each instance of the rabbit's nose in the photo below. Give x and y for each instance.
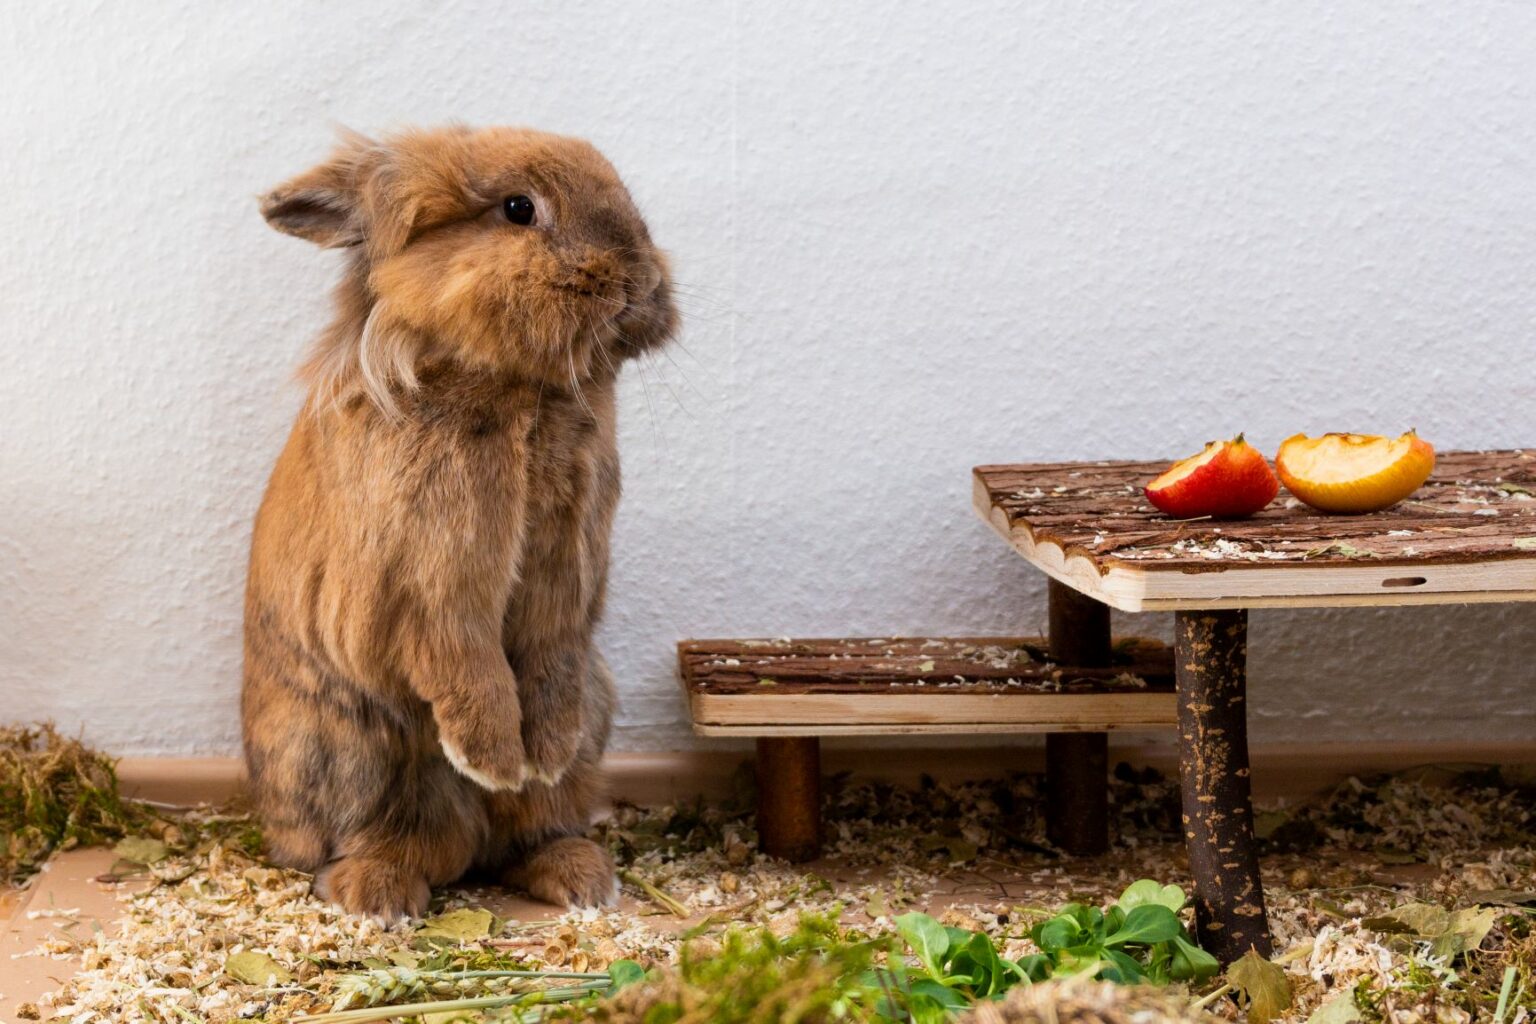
(647, 278)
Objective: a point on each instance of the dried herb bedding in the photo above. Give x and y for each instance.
(55, 793)
(973, 855)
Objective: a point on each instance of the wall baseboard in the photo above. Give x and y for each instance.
(1288, 772)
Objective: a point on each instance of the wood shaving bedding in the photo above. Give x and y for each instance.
(974, 854)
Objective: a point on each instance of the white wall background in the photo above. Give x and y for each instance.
(913, 238)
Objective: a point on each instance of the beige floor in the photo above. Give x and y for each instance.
(64, 897)
(74, 893)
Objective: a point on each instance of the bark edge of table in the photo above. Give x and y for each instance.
(1131, 587)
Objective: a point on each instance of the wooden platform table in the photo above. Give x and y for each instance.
(1468, 535)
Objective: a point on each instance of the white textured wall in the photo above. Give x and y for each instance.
(913, 238)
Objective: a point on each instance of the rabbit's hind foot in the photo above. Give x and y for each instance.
(568, 872)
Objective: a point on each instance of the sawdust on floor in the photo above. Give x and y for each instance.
(971, 854)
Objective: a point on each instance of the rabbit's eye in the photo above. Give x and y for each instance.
(518, 209)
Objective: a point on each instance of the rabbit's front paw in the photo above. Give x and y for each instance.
(550, 753)
(493, 762)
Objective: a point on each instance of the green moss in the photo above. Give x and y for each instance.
(56, 793)
(819, 972)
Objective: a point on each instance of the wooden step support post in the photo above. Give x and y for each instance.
(1077, 763)
(1210, 661)
(789, 796)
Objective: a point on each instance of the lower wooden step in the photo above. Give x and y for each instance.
(920, 685)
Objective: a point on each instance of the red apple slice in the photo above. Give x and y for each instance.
(1227, 480)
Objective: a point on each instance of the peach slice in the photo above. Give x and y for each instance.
(1354, 472)
(1227, 480)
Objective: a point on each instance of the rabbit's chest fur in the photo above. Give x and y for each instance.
(571, 490)
(538, 481)
(488, 509)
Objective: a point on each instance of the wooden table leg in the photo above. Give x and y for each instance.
(1077, 763)
(789, 796)
(1210, 655)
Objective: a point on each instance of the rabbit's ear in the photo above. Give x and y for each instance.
(324, 204)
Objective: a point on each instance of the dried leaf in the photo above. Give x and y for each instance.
(254, 968)
(174, 871)
(140, 850)
(958, 848)
(1422, 919)
(1341, 1009)
(1384, 924)
(1504, 897)
(1467, 930)
(1340, 547)
(1261, 986)
(1267, 823)
(452, 1017)
(1392, 855)
(463, 925)
(926, 666)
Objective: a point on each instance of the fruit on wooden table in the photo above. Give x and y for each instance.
(1228, 479)
(1354, 472)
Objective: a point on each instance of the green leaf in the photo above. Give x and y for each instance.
(927, 938)
(941, 994)
(140, 850)
(1147, 924)
(1086, 959)
(1148, 892)
(1058, 933)
(1525, 543)
(1261, 986)
(1090, 918)
(987, 970)
(1191, 963)
(924, 1007)
(252, 968)
(1125, 969)
(958, 937)
(1114, 917)
(622, 973)
(465, 925)
(1341, 1009)
(1035, 966)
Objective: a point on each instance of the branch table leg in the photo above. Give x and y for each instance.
(789, 796)
(1077, 763)
(1210, 653)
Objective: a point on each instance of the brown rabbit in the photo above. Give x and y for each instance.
(421, 694)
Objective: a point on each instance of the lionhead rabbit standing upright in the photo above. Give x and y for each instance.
(421, 692)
